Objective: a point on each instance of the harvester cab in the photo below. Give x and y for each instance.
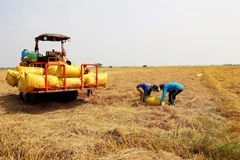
(51, 55)
(52, 75)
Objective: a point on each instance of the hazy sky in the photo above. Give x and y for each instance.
(125, 32)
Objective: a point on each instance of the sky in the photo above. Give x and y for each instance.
(125, 32)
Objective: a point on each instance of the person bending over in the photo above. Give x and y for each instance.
(173, 89)
(145, 89)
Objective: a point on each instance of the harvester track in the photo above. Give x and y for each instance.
(35, 98)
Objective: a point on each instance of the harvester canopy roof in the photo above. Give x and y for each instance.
(52, 37)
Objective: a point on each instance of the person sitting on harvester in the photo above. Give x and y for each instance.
(24, 58)
(145, 90)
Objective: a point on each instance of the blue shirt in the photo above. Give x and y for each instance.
(170, 87)
(146, 88)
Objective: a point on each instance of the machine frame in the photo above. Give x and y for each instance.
(73, 91)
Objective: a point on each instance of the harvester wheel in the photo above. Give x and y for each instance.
(32, 98)
(73, 95)
(29, 98)
(67, 96)
(21, 96)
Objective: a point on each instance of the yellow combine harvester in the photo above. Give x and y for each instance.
(40, 77)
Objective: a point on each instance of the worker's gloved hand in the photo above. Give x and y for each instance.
(162, 104)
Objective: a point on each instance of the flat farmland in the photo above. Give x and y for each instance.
(114, 124)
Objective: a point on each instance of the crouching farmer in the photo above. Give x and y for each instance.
(173, 89)
(145, 90)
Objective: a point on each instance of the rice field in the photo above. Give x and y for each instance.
(114, 124)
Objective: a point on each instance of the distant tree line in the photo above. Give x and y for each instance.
(231, 64)
(3, 68)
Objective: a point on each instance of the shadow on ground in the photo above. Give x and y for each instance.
(12, 104)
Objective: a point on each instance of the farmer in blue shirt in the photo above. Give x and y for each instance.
(173, 89)
(145, 89)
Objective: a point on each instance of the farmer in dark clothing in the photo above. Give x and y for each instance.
(173, 89)
(86, 71)
(145, 89)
